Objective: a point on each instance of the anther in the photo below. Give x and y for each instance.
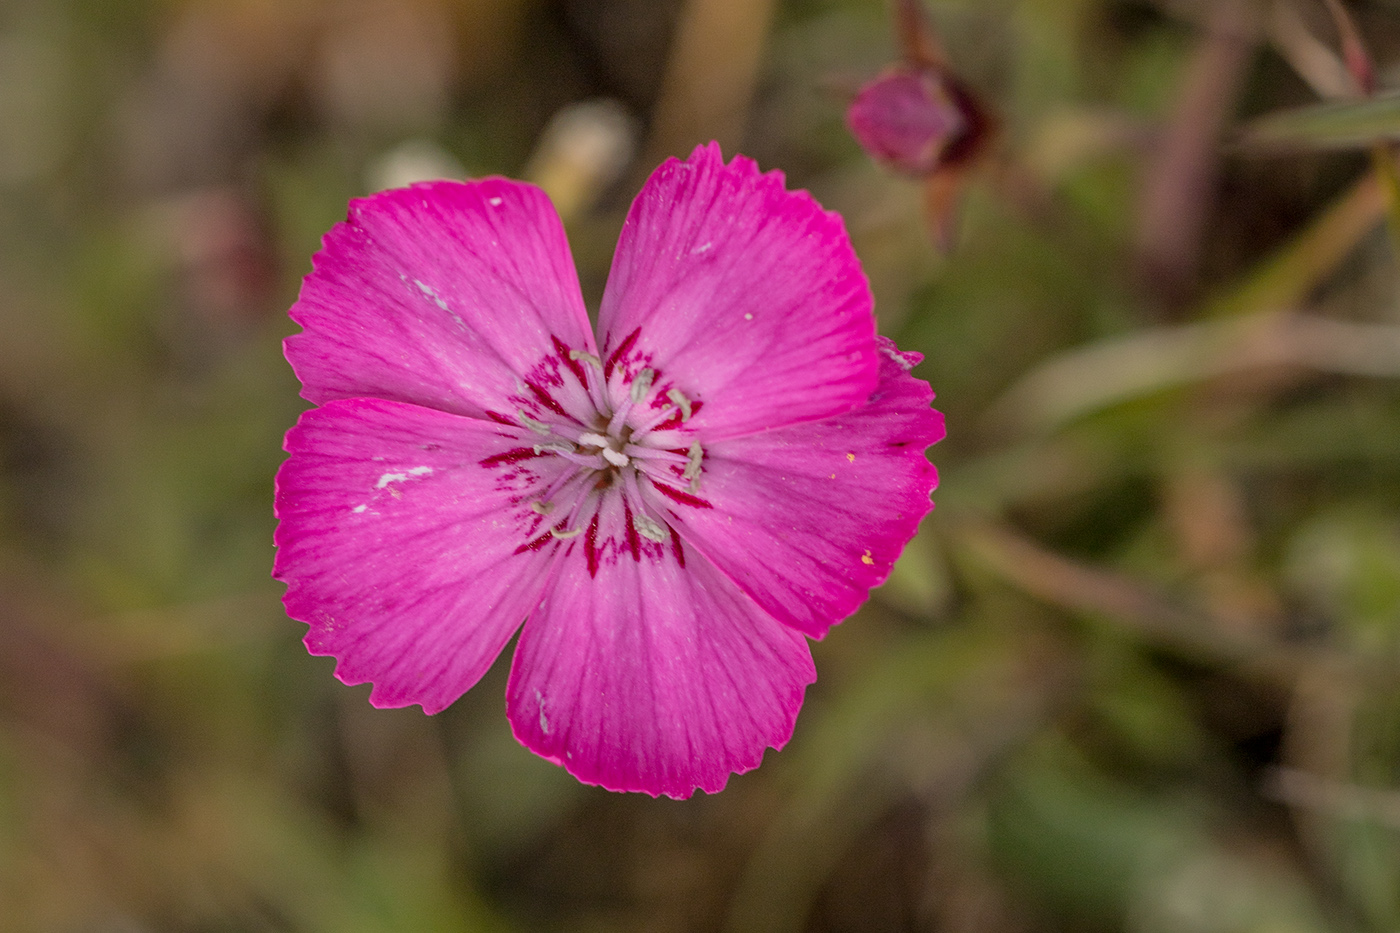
(681, 402)
(692, 467)
(587, 357)
(565, 534)
(616, 457)
(539, 427)
(542, 508)
(650, 529)
(642, 384)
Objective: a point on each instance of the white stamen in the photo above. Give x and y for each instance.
(650, 529)
(542, 508)
(539, 427)
(681, 401)
(593, 439)
(615, 457)
(554, 447)
(565, 534)
(586, 357)
(642, 384)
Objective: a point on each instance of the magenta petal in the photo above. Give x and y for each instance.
(445, 294)
(746, 296)
(808, 518)
(655, 675)
(399, 544)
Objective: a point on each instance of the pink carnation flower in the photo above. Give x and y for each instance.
(671, 508)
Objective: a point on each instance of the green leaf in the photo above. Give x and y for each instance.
(1352, 124)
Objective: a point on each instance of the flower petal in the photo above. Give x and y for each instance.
(400, 544)
(748, 297)
(644, 669)
(447, 295)
(809, 518)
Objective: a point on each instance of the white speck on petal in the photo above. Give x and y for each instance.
(702, 248)
(496, 202)
(427, 290)
(748, 317)
(905, 361)
(544, 720)
(388, 478)
(359, 508)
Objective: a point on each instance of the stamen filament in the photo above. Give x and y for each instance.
(638, 452)
(662, 416)
(646, 526)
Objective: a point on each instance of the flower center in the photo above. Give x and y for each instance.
(606, 446)
(624, 430)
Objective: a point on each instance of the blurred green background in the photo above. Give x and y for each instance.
(1138, 672)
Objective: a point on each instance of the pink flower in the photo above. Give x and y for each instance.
(672, 508)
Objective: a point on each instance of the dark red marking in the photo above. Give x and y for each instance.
(590, 546)
(536, 544)
(575, 366)
(510, 456)
(676, 548)
(622, 348)
(546, 399)
(500, 418)
(634, 543)
(547, 371)
(684, 498)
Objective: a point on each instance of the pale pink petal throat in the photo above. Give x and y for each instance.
(668, 510)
